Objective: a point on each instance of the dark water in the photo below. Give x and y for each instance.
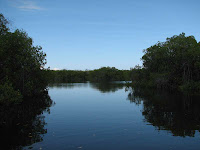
(109, 117)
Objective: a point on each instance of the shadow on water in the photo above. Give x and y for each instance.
(175, 112)
(24, 124)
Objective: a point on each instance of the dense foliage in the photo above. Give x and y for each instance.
(104, 74)
(107, 74)
(22, 70)
(67, 76)
(172, 64)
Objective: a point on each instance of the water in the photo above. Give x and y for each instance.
(112, 117)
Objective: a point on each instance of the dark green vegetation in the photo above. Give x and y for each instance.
(175, 112)
(23, 81)
(104, 74)
(22, 72)
(174, 64)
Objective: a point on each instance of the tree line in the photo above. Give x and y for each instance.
(103, 74)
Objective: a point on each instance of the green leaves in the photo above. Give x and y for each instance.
(8, 94)
(3, 25)
(21, 63)
(177, 59)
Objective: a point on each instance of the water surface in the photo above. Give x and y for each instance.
(111, 116)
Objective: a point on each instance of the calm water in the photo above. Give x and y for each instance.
(112, 117)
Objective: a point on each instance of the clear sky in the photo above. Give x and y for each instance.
(88, 34)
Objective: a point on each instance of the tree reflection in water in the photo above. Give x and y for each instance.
(108, 87)
(103, 87)
(176, 113)
(24, 124)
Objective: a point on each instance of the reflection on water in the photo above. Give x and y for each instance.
(107, 87)
(177, 113)
(102, 87)
(100, 116)
(23, 125)
(68, 85)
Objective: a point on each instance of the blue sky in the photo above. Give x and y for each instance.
(88, 34)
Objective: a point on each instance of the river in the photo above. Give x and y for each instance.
(89, 116)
